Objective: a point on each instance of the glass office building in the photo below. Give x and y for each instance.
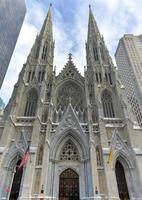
(12, 13)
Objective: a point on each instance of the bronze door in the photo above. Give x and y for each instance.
(69, 185)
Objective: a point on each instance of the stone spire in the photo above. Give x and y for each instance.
(43, 42)
(46, 30)
(93, 29)
(97, 52)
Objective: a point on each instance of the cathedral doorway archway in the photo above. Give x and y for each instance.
(69, 185)
(121, 181)
(15, 189)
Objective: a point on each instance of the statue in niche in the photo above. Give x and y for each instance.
(98, 156)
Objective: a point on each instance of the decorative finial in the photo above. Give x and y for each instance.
(89, 6)
(50, 4)
(70, 56)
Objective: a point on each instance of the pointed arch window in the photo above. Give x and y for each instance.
(44, 51)
(102, 50)
(41, 76)
(97, 79)
(95, 51)
(107, 104)
(69, 152)
(31, 103)
(15, 189)
(29, 77)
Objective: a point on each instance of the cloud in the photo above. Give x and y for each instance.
(70, 19)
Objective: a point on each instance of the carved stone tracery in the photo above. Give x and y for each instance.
(69, 152)
(70, 91)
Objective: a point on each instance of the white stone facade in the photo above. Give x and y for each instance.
(68, 124)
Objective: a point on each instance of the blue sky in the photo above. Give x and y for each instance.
(70, 19)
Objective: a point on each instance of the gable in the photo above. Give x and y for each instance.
(70, 72)
(70, 122)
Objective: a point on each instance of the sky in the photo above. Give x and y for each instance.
(70, 20)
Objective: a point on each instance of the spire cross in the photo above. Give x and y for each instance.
(70, 56)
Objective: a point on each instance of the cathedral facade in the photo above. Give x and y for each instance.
(84, 143)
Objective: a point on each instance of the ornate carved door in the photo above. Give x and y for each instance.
(69, 185)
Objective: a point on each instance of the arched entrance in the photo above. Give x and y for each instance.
(16, 183)
(69, 185)
(121, 181)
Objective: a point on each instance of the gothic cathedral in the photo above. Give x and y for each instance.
(84, 143)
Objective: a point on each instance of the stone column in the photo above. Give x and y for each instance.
(111, 180)
(30, 166)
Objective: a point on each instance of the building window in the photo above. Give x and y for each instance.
(95, 54)
(110, 79)
(107, 105)
(41, 76)
(44, 52)
(69, 152)
(97, 79)
(33, 74)
(29, 76)
(106, 77)
(31, 103)
(100, 77)
(102, 52)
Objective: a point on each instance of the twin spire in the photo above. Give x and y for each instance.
(46, 32)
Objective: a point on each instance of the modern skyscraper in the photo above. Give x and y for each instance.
(12, 14)
(81, 140)
(129, 61)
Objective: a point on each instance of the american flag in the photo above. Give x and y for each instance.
(25, 158)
